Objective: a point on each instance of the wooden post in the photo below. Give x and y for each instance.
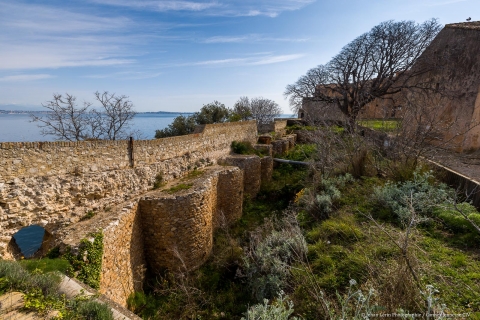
(130, 152)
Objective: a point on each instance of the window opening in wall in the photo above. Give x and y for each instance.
(29, 240)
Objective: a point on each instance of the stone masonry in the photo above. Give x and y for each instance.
(54, 184)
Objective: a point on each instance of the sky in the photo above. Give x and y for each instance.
(168, 55)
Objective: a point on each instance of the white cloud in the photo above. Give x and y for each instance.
(160, 5)
(277, 59)
(250, 38)
(24, 77)
(38, 36)
(269, 8)
(253, 60)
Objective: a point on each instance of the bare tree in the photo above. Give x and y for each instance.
(264, 110)
(67, 121)
(116, 114)
(305, 86)
(375, 65)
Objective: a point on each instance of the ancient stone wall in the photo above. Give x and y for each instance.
(251, 167)
(54, 184)
(124, 264)
(123, 261)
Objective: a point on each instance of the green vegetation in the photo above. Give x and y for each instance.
(328, 245)
(242, 147)
(90, 214)
(46, 265)
(193, 174)
(158, 183)
(178, 187)
(214, 112)
(41, 292)
(380, 124)
(86, 265)
(245, 147)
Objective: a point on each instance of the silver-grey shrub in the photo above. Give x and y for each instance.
(280, 309)
(419, 194)
(267, 262)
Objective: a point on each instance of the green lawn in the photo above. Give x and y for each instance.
(380, 124)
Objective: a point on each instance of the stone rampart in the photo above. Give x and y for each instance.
(163, 229)
(252, 168)
(123, 261)
(179, 227)
(54, 184)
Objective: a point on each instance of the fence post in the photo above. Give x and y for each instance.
(130, 152)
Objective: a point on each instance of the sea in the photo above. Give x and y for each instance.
(17, 127)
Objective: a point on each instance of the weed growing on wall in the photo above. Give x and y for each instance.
(158, 181)
(179, 187)
(87, 263)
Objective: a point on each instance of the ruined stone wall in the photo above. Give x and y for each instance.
(161, 229)
(178, 227)
(123, 261)
(251, 167)
(123, 265)
(54, 184)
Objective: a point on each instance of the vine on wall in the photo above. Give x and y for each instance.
(87, 263)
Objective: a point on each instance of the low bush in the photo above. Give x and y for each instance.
(268, 260)
(93, 310)
(318, 200)
(280, 309)
(302, 152)
(14, 277)
(421, 195)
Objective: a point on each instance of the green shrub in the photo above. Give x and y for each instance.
(301, 152)
(242, 147)
(319, 201)
(93, 310)
(87, 263)
(14, 277)
(280, 309)
(158, 183)
(419, 194)
(267, 262)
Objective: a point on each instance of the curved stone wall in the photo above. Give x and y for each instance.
(54, 184)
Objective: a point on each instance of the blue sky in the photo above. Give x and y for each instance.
(179, 55)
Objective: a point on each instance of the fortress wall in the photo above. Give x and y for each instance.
(160, 230)
(55, 184)
(251, 167)
(123, 265)
(33, 159)
(178, 228)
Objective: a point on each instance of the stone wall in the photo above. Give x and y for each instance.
(161, 229)
(251, 167)
(179, 227)
(123, 262)
(54, 184)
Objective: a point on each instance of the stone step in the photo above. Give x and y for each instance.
(18, 315)
(11, 301)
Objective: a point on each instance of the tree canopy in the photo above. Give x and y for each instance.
(374, 65)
